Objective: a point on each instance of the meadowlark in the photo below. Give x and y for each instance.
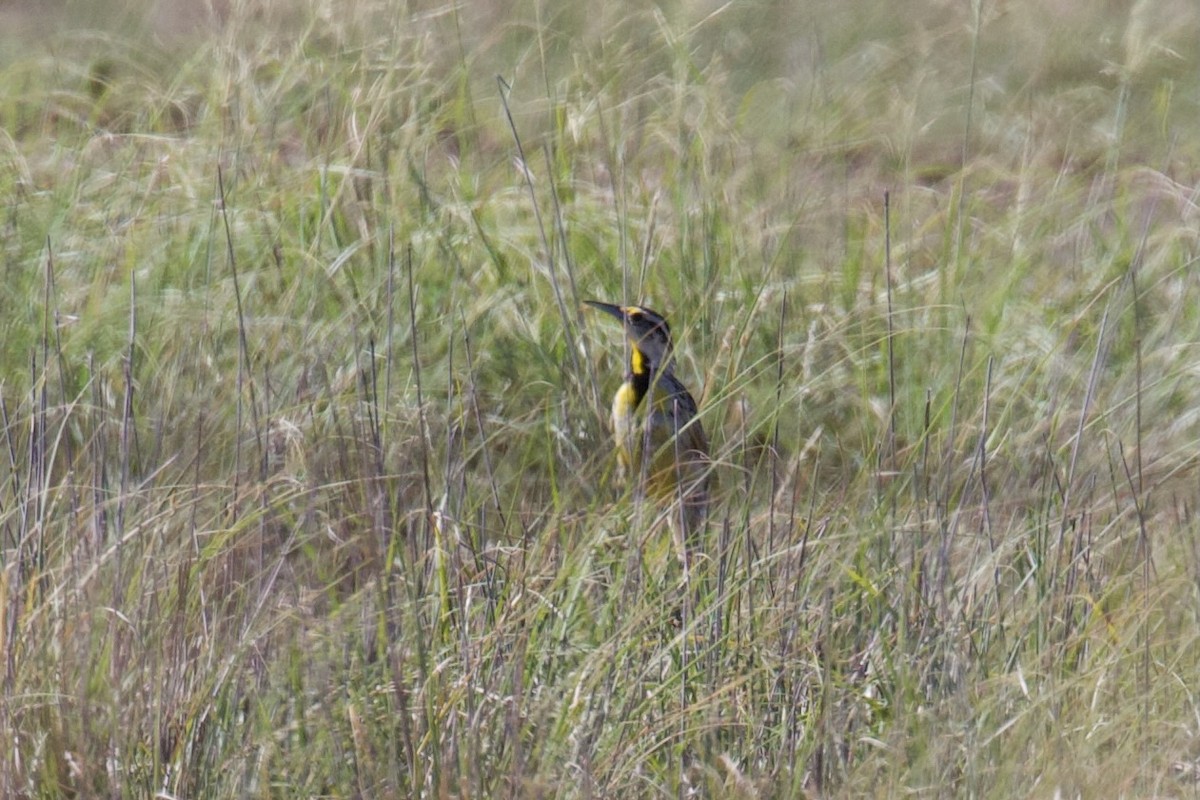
(660, 442)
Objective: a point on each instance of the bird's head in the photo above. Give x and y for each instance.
(646, 330)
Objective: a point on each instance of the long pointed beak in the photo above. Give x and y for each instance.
(607, 308)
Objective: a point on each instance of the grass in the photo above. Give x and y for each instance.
(306, 487)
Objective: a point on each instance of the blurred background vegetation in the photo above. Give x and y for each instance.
(307, 488)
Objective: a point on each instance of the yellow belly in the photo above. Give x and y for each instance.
(663, 451)
(650, 428)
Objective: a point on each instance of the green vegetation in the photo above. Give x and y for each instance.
(307, 489)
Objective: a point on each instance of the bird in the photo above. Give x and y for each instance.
(660, 443)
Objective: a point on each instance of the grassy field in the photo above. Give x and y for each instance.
(306, 487)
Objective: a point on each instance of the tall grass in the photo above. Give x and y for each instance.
(306, 487)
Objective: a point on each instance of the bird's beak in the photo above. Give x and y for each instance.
(607, 308)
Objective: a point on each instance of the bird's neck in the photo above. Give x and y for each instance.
(642, 371)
